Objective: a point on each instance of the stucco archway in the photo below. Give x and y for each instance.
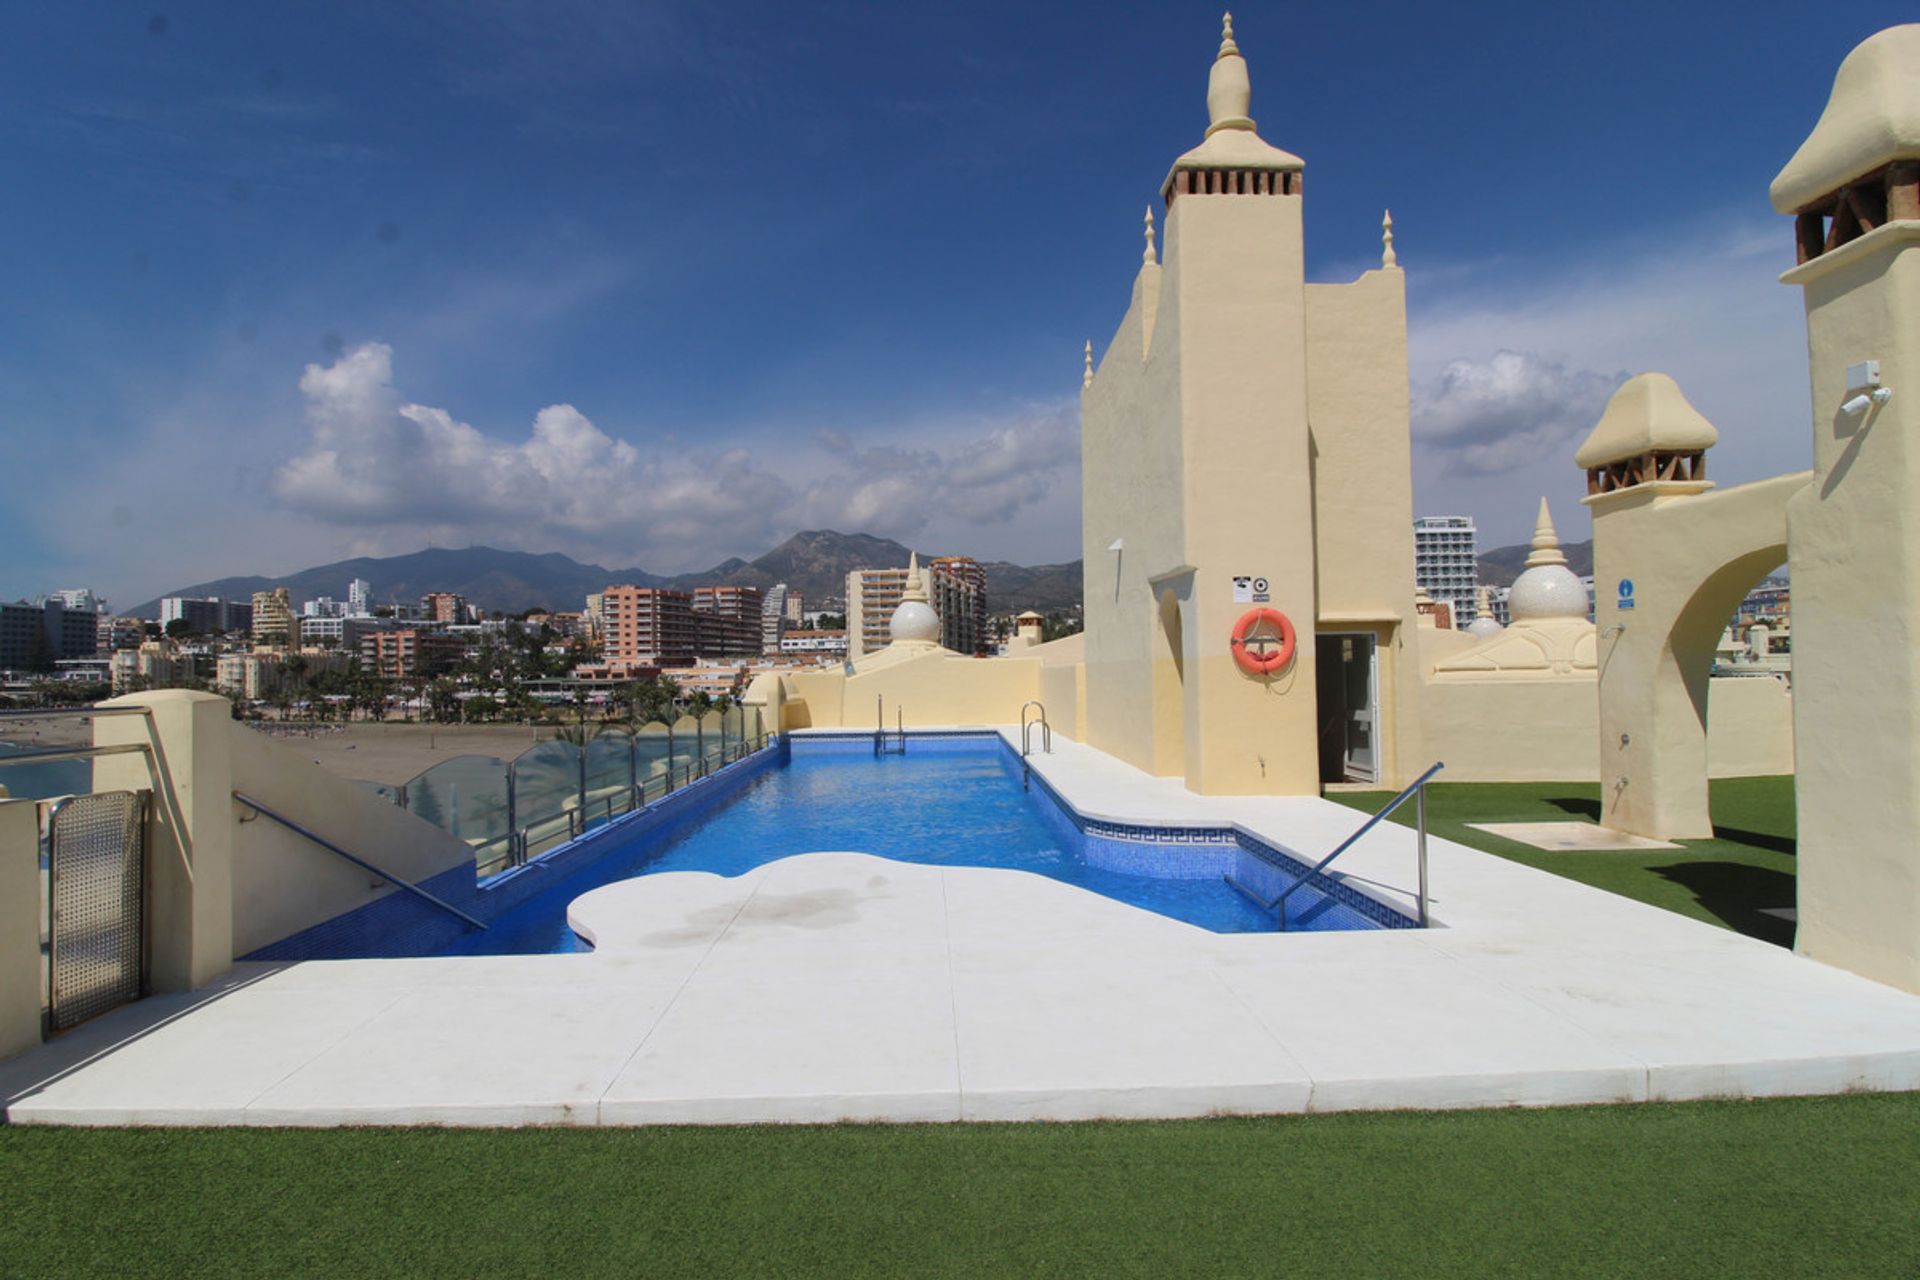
(1690, 555)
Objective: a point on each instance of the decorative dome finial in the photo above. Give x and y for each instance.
(1546, 542)
(1388, 258)
(1227, 47)
(1546, 589)
(1147, 258)
(1086, 379)
(1229, 92)
(914, 622)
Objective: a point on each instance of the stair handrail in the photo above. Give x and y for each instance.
(1416, 788)
(356, 859)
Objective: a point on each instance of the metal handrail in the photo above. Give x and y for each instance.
(42, 713)
(356, 860)
(1418, 787)
(70, 753)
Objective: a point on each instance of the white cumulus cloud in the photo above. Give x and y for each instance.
(1514, 408)
(406, 472)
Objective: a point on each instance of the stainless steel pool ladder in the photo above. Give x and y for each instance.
(881, 747)
(1026, 740)
(1415, 791)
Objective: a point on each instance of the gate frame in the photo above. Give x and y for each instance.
(142, 825)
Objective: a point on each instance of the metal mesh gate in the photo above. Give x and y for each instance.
(96, 863)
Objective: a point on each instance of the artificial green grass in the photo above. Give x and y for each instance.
(1748, 866)
(1803, 1187)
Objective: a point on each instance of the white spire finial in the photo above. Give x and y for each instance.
(1546, 542)
(1086, 379)
(1387, 256)
(915, 588)
(1147, 258)
(1229, 92)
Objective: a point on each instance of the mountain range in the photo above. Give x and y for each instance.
(1500, 566)
(814, 563)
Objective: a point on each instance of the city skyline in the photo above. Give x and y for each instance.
(655, 288)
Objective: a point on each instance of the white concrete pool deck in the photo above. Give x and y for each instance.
(842, 986)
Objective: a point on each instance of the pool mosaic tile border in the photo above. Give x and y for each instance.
(1279, 859)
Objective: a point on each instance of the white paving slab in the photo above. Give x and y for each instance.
(1570, 837)
(835, 986)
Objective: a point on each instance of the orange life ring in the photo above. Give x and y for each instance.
(1262, 664)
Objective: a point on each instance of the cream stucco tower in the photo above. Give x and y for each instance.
(1854, 186)
(1199, 466)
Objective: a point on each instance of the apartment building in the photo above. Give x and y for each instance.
(728, 622)
(410, 653)
(958, 591)
(1446, 564)
(775, 617)
(273, 619)
(35, 636)
(443, 606)
(648, 627)
(957, 595)
(209, 616)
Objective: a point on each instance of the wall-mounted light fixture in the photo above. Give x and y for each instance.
(1864, 389)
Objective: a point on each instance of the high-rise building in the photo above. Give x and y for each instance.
(359, 598)
(35, 636)
(776, 616)
(959, 592)
(732, 625)
(1445, 564)
(209, 616)
(796, 609)
(648, 627)
(409, 653)
(873, 595)
(80, 600)
(273, 620)
(444, 606)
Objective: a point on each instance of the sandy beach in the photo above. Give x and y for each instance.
(389, 753)
(394, 753)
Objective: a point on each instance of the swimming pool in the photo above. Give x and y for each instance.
(951, 801)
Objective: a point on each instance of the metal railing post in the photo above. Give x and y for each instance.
(1417, 791)
(669, 789)
(516, 852)
(1420, 818)
(582, 749)
(700, 744)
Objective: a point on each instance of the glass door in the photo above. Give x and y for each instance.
(1360, 681)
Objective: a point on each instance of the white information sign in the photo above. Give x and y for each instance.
(1249, 589)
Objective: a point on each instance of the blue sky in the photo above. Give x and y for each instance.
(657, 284)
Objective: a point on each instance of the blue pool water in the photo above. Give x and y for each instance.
(953, 802)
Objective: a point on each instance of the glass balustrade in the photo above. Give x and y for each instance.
(511, 811)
